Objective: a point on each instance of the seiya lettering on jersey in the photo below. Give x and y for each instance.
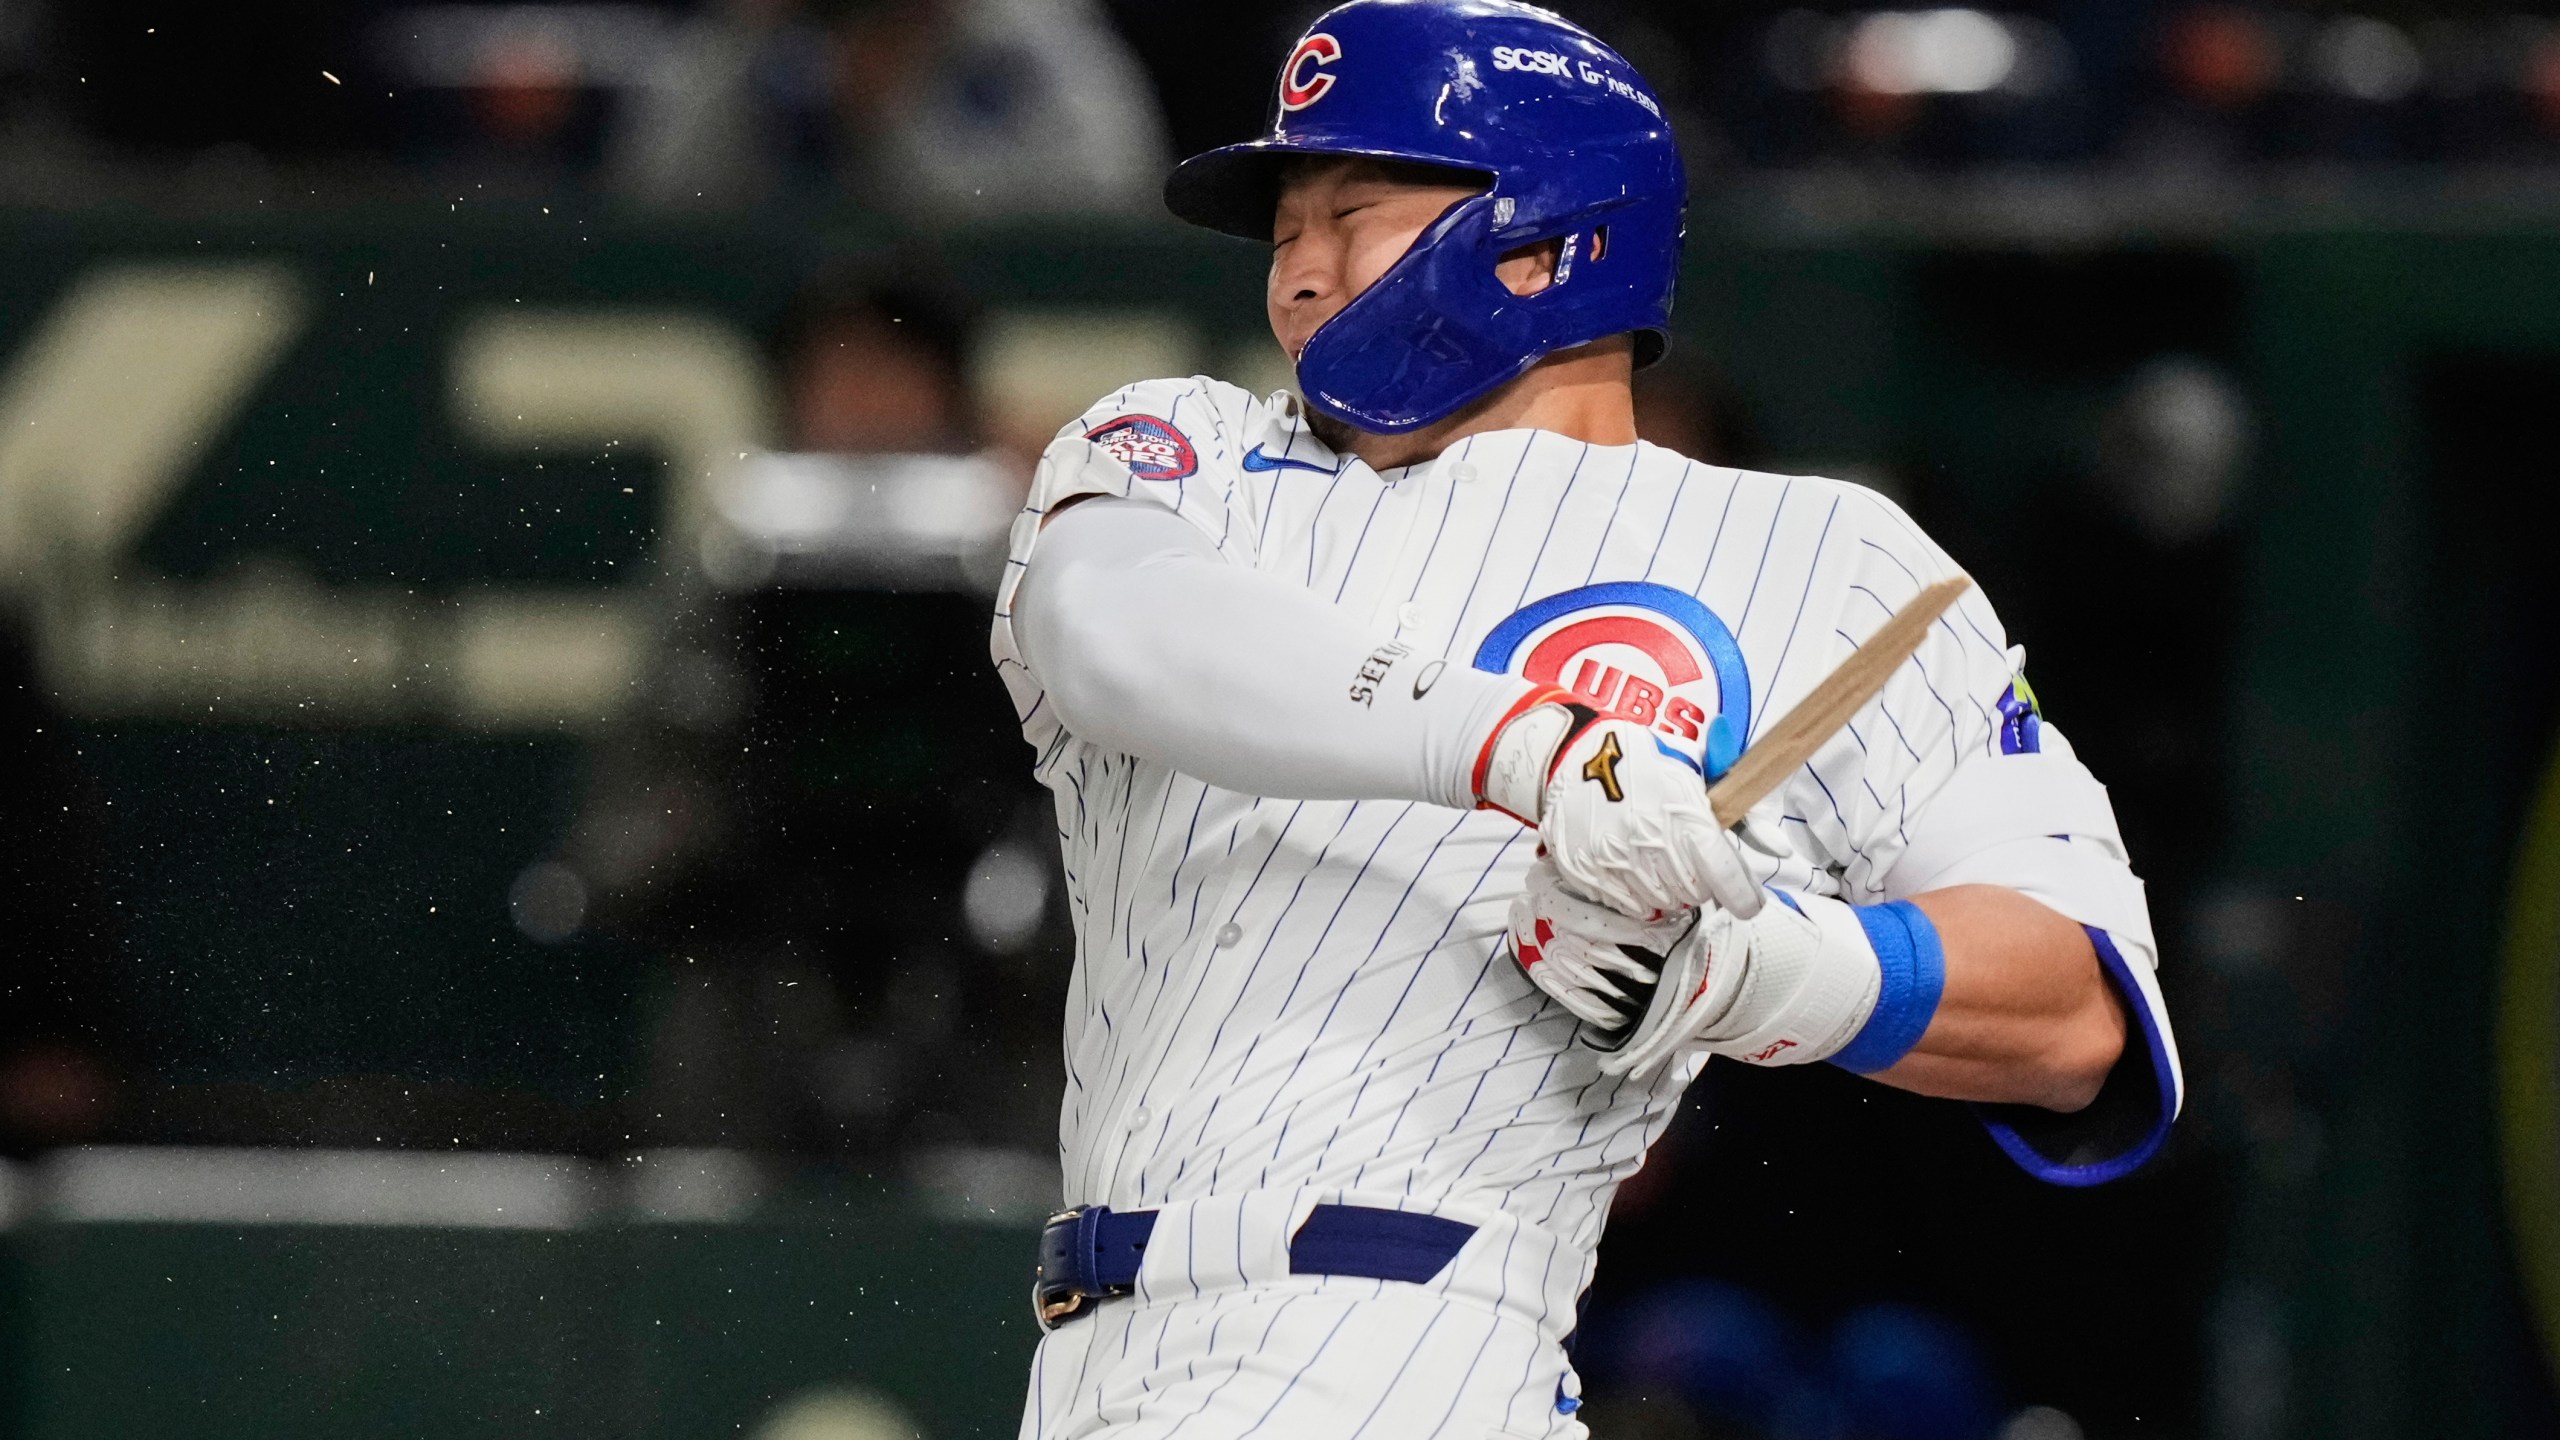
(1291, 1018)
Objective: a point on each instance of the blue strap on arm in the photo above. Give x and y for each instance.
(1915, 975)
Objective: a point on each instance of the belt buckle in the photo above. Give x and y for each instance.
(1051, 1313)
(1052, 1304)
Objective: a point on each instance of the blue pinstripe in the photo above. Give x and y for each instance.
(1418, 1342)
(1788, 647)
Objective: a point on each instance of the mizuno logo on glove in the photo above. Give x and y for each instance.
(1602, 769)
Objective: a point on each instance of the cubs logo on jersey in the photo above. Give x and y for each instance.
(1152, 449)
(1640, 652)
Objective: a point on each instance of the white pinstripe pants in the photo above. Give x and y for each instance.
(1221, 1340)
(1303, 1358)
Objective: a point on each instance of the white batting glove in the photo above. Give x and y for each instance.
(1625, 823)
(1596, 962)
(1783, 987)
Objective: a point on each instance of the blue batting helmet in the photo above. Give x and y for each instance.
(1572, 145)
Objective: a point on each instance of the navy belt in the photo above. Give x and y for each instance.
(1090, 1254)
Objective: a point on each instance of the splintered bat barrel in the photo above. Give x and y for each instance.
(1828, 706)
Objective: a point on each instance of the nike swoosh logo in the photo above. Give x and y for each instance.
(1255, 460)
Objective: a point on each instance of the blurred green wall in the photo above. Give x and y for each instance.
(268, 1332)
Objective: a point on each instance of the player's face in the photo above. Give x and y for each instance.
(1338, 227)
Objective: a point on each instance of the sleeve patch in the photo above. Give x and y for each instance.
(1151, 448)
(2021, 720)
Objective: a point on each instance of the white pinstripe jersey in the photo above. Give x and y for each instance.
(1314, 995)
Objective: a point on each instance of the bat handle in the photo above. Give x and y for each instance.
(1728, 813)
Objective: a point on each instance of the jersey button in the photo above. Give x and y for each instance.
(1137, 1120)
(1410, 616)
(1462, 472)
(1229, 933)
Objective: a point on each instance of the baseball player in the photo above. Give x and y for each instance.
(1379, 724)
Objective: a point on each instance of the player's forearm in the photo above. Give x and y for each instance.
(2026, 1015)
(1149, 643)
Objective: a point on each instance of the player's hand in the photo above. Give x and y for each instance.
(1626, 823)
(1596, 962)
(1790, 984)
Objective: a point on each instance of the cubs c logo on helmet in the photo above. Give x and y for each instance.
(1636, 651)
(1303, 81)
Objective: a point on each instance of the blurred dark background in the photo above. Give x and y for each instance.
(722, 102)
(522, 905)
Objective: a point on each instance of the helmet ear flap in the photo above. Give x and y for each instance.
(1434, 333)
(1441, 329)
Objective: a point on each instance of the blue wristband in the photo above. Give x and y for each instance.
(1915, 975)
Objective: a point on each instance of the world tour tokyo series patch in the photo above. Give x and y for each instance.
(1152, 449)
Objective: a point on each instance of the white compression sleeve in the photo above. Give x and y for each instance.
(1150, 643)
